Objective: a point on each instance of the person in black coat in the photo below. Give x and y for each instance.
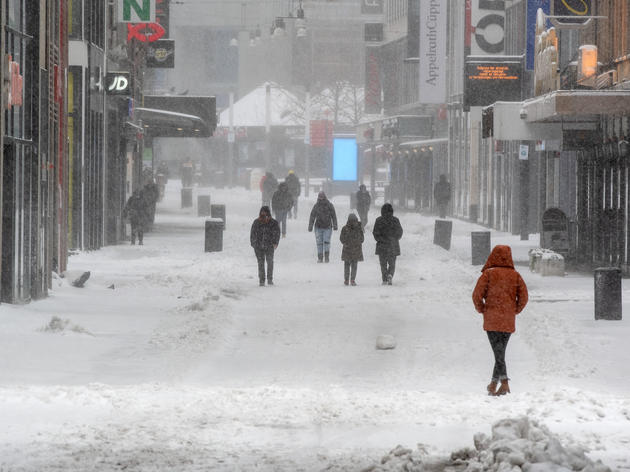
(351, 238)
(442, 195)
(324, 219)
(363, 204)
(135, 211)
(281, 204)
(264, 238)
(269, 186)
(387, 232)
(295, 188)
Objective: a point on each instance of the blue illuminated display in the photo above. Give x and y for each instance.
(345, 159)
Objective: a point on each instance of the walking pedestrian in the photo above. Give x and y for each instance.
(442, 195)
(324, 219)
(268, 185)
(351, 238)
(387, 233)
(264, 238)
(281, 204)
(295, 188)
(500, 295)
(135, 211)
(363, 204)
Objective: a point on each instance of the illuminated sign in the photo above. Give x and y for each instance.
(117, 83)
(345, 159)
(489, 82)
(161, 54)
(578, 9)
(145, 32)
(136, 11)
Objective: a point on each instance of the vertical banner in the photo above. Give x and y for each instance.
(532, 8)
(432, 53)
(372, 80)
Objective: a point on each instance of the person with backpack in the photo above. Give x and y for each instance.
(499, 295)
(387, 233)
(264, 237)
(363, 204)
(351, 238)
(295, 189)
(281, 204)
(324, 219)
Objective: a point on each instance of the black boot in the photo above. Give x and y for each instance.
(320, 257)
(326, 256)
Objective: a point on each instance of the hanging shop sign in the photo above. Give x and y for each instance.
(136, 11)
(162, 15)
(432, 56)
(145, 32)
(487, 82)
(576, 11)
(373, 89)
(161, 54)
(117, 83)
(16, 85)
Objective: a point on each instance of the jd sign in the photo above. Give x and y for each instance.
(136, 11)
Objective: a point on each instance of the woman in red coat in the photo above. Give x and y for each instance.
(500, 295)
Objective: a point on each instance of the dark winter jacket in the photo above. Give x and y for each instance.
(352, 238)
(323, 215)
(500, 293)
(363, 201)
(135, 209)
(269, 185)
(387, 232)
(282, 200)
(264, 235)
(293, 182)
(442, 191)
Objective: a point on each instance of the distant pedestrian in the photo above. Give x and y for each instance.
(387, 233)
(351, 238)
(500, 295)
(281, 204)
(324, 219)
(295, 188)
(135, 212)
(442, 195)
(264, 238)
(150, 193)
(268, 185)
(363, 204)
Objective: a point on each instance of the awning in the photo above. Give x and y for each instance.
(424, 142)
(576, 105)
(163, 123)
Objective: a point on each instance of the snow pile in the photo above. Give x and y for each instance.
(57, 325)
(517, 444)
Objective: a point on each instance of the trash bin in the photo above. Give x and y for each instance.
(479, 246)
(607, 293)
(203, 205)
(186, 197)
(442, 233)
(555, 231)
(218, 211)
(214, 235)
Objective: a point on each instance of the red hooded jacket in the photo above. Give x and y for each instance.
(500, 293)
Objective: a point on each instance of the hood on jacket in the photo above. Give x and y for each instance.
(264, 210)
(501, 256)
(362, 187)
(283, 187)
(387, 210)
(352, 219)
(321, 196)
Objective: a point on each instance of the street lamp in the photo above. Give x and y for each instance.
(278, 26)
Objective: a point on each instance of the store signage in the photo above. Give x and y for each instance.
(117, 83)
(432, 55)
(487, 82)
(161, 54)
(16, 85)
(136, 11)
(577, 10)
(162, 15)
(487, 27)
(523, 152)
(145, 32)
(373, 88)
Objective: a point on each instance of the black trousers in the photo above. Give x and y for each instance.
(388, 266)
(363, 216)
(499, 342)
(264, 255)
(349, 267)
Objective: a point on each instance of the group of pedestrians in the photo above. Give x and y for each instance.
(140, 210)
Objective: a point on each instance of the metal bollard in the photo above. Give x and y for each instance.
(607, 293)
(203, 205)
(186, 197)
(479, 246)
(218, 211)
(442, 233)
(214, 235)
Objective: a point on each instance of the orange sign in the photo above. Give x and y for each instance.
(493, 72)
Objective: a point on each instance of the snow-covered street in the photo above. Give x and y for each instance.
(175, 359)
